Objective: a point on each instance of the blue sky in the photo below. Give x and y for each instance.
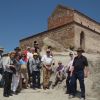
(22, 18)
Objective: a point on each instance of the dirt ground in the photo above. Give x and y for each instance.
(58, 93)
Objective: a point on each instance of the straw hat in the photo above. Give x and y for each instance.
(2, 49)
(35, 54)
(12, 52)
(5, 53)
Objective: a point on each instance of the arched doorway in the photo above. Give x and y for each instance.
(82, 40)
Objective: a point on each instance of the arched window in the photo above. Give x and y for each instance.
(82, 40)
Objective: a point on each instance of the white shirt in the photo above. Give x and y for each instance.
(29, 55)
(70, 64)
(6, 62)
(47, 60)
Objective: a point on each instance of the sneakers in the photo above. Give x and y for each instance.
(10, 94)
(82, 99)
(71, 96)
(6, 95)
(15, 93)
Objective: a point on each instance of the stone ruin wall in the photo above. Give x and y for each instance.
(92, 39)
(60, 17)
(86, 22)
(63, 35)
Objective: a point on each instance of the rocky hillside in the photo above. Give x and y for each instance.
(93, 81)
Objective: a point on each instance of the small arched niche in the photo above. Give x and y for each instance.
(82, 40)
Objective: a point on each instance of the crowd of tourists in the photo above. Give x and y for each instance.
(21, 69)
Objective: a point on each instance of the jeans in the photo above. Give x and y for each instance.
(1, 71)
(1, 77)
(36, 79)
(7, 83)
(80, 76)
(68, 83)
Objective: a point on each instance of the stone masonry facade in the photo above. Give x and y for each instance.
(64, 35)
(69, 27)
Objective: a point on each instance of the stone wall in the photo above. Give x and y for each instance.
(68, 35)
(60, 17)
(85, 21)
(92, 39)
(63, 35)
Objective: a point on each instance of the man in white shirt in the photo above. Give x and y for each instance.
(47, 61)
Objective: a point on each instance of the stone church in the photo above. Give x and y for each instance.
(69, 27)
